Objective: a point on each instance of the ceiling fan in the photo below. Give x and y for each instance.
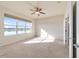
(36, 10)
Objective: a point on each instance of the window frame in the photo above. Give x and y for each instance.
(17, 29)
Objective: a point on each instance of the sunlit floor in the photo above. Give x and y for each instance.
(36, 47)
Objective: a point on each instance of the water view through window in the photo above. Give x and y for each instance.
(14, 26)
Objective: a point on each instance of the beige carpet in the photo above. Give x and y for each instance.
(35, 48)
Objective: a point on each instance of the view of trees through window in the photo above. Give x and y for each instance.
(14, 26)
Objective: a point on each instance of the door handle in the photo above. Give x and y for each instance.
(76, 46)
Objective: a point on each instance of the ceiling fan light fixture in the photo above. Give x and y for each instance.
(37, 12)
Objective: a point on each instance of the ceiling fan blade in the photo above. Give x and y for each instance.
(42, 13)
(40, 9)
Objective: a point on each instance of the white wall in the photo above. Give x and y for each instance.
(4, 40)
(52, 25)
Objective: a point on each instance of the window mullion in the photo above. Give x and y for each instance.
(25, 28)
(16, 27)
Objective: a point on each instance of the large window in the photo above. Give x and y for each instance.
(14, 26)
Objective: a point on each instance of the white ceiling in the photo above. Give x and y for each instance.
(51, 8)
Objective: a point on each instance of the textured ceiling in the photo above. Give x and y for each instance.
(51, 8)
